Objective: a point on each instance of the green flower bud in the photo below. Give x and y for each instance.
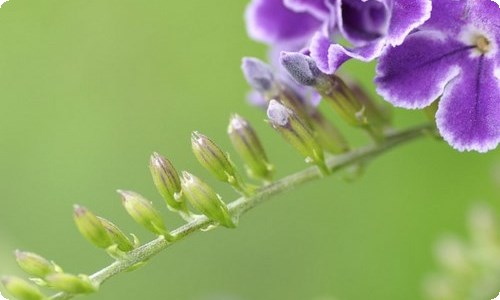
(21, 289)
(91, 227)
(167, 182)
(143, 212)
(117, 236)
(34, 264)
(327, 135)
(296, 133)
(248, 146)
(204, 199)
(71, 283)
(212, 158)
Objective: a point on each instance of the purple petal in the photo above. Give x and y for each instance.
(414, 74)
(329, 57)
(269, 21)
(363, 21)
(406, 16)
(447, 16)
(485, 14)
(316, 8)
(468, 117)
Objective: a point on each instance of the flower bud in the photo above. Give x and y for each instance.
(71, 283)
(91, 228)
(301, 67)
(295, 132)
(353, 110)
(327, 135)
(143, 212)
(258, 74)
(34, 264)
(21, 289)
(248, 146)
(204, 199)
(167, 182)
(117, 236)
(211, 157)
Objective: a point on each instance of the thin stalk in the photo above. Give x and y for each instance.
(244, 204)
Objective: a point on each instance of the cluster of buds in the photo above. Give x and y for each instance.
(44, 273)
(351, 104)
(468, 270)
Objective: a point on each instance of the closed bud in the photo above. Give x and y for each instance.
(248, 146)
(21, 289)
(301, 67)
(212, 158)
(143, 212)
(296, 133)
(117, 236)
(328, 136)
(167, 181)
(354, 110)
(71, 284)
(91, 227)
(204, 199)
(258, 74)
(34, 264)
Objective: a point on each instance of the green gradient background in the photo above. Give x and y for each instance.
(90, 88)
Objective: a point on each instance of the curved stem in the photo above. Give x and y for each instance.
(243, 204)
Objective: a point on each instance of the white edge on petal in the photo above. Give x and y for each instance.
(421, 21)
(448, 137)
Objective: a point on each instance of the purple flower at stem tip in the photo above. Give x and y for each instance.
(455, 56)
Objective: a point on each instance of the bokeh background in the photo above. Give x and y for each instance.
(89, 89)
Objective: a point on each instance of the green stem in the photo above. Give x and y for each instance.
(243, 204)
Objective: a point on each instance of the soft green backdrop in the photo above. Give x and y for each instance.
(88, 89)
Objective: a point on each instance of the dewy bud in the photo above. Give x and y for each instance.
(91, 227)
(167, 181)
(258, 74)
(70, 283)
(296, 132)
(117, 236)
(143, 212)
(34, 264)
(21, 289)
(301, 67)
(204, 199)
(248, 146)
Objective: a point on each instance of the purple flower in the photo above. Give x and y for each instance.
(287, 24)
(370, 26)
(456, 56)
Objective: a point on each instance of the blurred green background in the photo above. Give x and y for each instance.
(89, 89)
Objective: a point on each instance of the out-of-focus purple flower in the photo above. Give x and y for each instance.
(286, 24)
(370, 26)
(456, 56)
